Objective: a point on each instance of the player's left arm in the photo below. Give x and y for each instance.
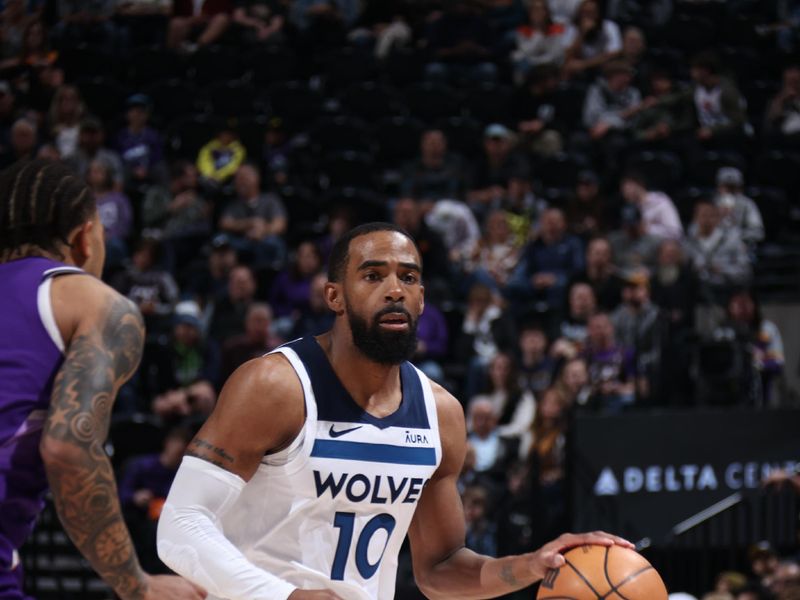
(443, 566)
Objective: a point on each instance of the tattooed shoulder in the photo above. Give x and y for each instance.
(203, 449)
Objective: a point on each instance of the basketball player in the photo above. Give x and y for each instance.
(320, 456)
(67, 343)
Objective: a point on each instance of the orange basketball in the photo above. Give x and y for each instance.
(603, 573)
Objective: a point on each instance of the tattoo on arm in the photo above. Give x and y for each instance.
(200, 448)
(80, 474)
(507, 575)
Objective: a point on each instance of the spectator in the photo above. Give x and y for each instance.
(485, 331)
(492, 452)
(539, 112)
(182, 372)
(763, 560)
(638, 325)
(655, 13)
(481, 533)
(257, 340)
(384, 26)
(760, 336)
(513, 406)
(496, 253)
(493, 171)
(631, 246)
(318, 318)
(229, 310)
(291, 288)
(205, 19)
(541, 41)
(259, 21)
(87, 22)
(573, 382)
(581, 305)
(596, 40)
(659, 215)
(437, 173)
(782, 120)
(456, 225)
(325, 19)
(47, 76)
(754, 591)
(143, 22)
(612, 368)
(586, 207)
(13, 22)
(719, 256)
(65, 114)
(208, 278)
(674, 287)
(661, 115)
(564, 11)
(180, 211)
(221, 158)
(433, 252)
(547, 264)
(460, 42)
(114, 210)
(611, 101)
(143, 486)
(139, 145)
(601, 274)
(432, 339)
(634, 54)
(148, 285)
(536, 367)
(23, 142)
(719, 108)
(737, 211)
(91, 139)
(255, 221)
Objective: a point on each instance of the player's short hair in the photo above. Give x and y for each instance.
(41, 202)
(340, 252)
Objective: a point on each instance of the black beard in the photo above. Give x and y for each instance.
(383, 347)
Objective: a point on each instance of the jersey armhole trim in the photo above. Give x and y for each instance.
(45, 306)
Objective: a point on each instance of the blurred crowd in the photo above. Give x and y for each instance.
(593, 192)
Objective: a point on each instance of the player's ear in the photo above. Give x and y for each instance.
(80, 246)
(421, 298)
(334, 297)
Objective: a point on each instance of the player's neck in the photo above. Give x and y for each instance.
(374, 387)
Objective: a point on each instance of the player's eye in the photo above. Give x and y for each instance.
(410, 278)
(371, 276)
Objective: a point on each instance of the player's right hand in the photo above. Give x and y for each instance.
(314, 595)
(160, 587)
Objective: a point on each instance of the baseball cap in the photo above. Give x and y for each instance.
(730, 176)
(5, 88)
(138, 99)
(630, 215)
(220, 241)
(497, 130)
(188, 313)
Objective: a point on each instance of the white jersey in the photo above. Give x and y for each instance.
(332, 510)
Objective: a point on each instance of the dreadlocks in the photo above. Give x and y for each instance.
(41, 202)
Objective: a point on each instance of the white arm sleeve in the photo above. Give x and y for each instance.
(191, 543)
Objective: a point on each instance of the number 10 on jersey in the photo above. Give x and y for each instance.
(345, 522)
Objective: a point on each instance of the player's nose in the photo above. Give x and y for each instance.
(394, 290)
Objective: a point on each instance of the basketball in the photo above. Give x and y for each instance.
(600, 572)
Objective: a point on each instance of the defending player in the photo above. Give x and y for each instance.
(320, 456)
(67, 343)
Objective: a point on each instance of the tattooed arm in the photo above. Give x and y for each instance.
(103, 335)
(443, 566)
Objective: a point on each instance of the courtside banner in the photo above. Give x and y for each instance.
(639, 475)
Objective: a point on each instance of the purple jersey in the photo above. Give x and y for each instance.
(31, 352)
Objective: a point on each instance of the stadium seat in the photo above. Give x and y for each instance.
(691, 34)
(233, 99)
(251, 133)
(175, 98)
(337, 134)
(464, 135)
(371, 101)
(779, 169)
(296, 102)
(662, 170)
(186, 136)
(431, 101)
(347, 169)
(774, 209)
(87, 62)
(345, 67)
(569, 99)
(216, 63)
(103, 97)
(405, 66)
(489, 102)
(398, 139)
(703, 170)
(270, 65)
(151, 65)
(560, 171)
